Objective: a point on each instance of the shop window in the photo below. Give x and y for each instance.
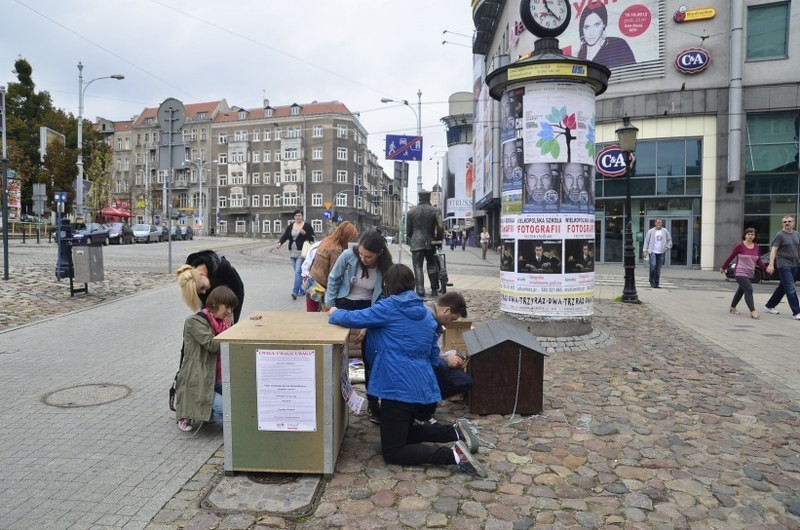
(767, 31)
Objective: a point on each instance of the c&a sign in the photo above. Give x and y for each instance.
(692, 61)
(610, 161)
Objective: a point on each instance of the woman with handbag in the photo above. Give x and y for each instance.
(325, 257)
(297, 233)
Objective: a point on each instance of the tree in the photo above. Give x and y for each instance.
(99, 172)
(27, 111)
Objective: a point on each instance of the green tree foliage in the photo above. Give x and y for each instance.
(99, 172)
(28, 110)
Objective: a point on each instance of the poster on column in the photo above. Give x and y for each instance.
(459, 179)
(558, 123)
(547, 265)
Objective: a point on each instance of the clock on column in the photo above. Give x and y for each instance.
(545, 18)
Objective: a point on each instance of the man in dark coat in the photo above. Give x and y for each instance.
(424, 227)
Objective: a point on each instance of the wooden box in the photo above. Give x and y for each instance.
(453, 338)
(507, 368)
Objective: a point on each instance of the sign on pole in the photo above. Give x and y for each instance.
(406, 148)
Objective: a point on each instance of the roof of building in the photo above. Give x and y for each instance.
(285, 111)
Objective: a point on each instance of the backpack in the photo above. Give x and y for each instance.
(180, 363)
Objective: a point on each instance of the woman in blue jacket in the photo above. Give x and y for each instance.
(355, 282)
(402, 339)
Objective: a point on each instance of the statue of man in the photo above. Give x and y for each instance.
(424, 227)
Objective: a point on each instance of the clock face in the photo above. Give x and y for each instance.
(545, 18)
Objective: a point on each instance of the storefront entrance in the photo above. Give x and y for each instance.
(680, 230)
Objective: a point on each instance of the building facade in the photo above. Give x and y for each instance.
(247, 170)
(713, 90)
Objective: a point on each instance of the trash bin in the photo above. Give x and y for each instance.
(88, 263)
(282, 380)
(64, 268)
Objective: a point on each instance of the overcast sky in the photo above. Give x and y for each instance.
(353, 51)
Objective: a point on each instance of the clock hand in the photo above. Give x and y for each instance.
(547, 6)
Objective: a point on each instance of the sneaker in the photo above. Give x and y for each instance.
(374, 415)
(467, 433)
(467, 463)
(185, 425)
(771, 310)
(797, 316)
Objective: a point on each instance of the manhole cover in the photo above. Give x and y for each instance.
(86, 395)
(272, 478)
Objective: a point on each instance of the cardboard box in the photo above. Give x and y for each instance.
(454, 336)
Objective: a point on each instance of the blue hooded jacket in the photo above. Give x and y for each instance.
(401, 339)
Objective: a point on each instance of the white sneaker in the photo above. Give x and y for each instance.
(797, 316)
(771, 310)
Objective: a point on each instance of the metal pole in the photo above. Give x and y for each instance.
(5, 186)
(216, 220)
(419, 133)
(629, 291)
(79, 187)
(201, 164)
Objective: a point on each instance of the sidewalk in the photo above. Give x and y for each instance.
(667, 427)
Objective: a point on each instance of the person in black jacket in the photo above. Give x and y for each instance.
(219, 271)
(297, 233)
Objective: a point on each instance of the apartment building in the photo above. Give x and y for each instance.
(714, 92)
(247, 170)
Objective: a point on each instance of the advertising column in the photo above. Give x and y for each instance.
(547, 224)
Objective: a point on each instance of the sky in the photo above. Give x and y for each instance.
(352, 51)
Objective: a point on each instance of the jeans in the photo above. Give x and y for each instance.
(786, 275)
(656, 262)
(297, 265)
(216, 405)
(401, 438)
(746, 289)
(451, 381)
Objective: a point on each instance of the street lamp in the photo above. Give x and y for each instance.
(626, 135)
(81, 91)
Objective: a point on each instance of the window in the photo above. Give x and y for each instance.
(767, 31)
(277, 155)
(256, 135)
(290, 153)
(316, 153)
(237, 177)
(194, 135)
(341, 131)
(237, 200)
(223, 180)
(256, 157)
(223, 202)
(277, 199)
(341, 199)
(267, 156)
(276, 226)
(223, 138)
(290, 198)
(341, 153)
(256, 178)
(341, 175)
(277, 179)
(771, 143)
(296, 110)
(293, 132)
(317, 131)
(290, 175)
(316, 175)
(267, 135)
(268, 112)
(255, 200)
(242, 114)
(223, 158)
(277, 133)
(203, 134)
(266, 226)
(240, 136)
(316, 199)
(316, 224)
(267, 177)
(267, 200)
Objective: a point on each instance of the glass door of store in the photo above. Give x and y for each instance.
(680, 230)
(612, 239)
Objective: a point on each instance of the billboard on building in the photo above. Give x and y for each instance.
(482, 136)
(460, 175)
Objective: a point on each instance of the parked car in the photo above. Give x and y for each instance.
(120, 233)
(90, 234)
(143, 233)
(175, 232)
(25, 218)
(163, 232)
(181, 232)
(759, 275)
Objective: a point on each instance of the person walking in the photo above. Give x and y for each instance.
(297, 233)
(484, 242)
(783, 258)
(198, 387)
(657, 243)
(425, 227)
(403, 333)
(747, 258)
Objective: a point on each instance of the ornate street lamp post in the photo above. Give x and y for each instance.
(626, 135)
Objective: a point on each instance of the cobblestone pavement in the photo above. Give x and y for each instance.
(657, 430)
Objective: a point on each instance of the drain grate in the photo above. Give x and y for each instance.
(273, 478)
(86, 395)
